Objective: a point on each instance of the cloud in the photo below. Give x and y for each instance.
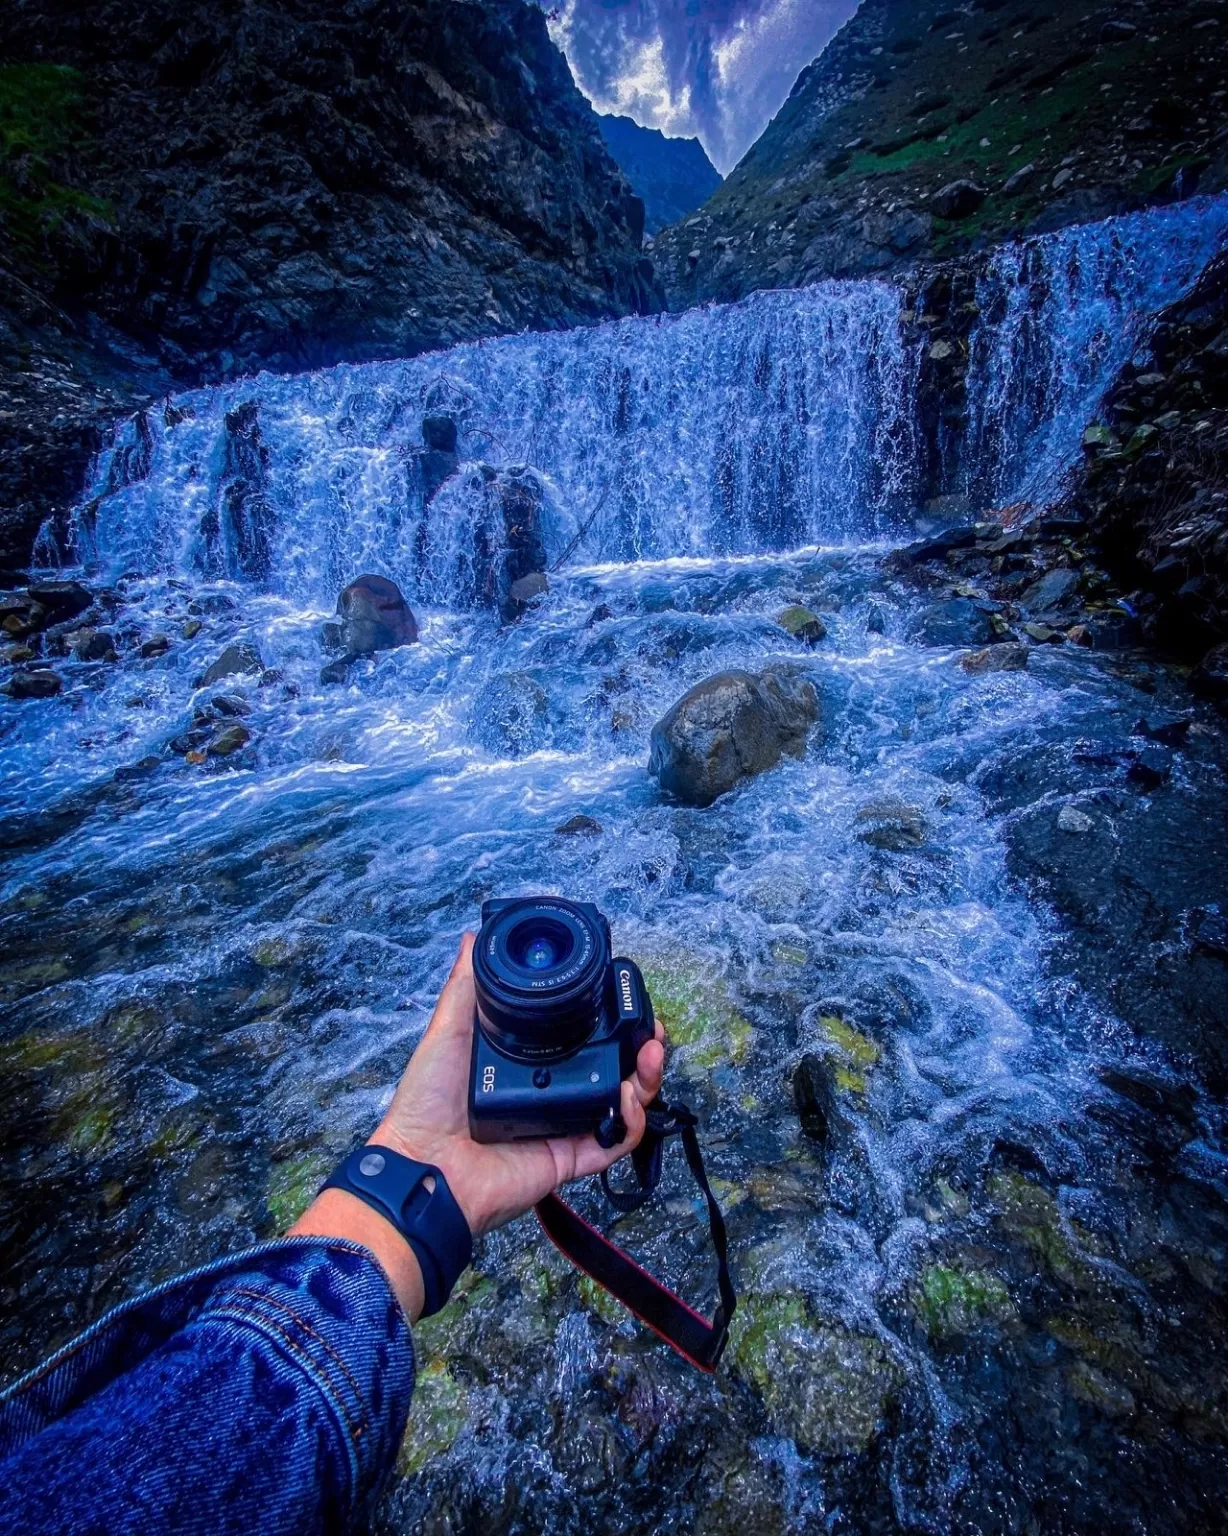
(718, 69)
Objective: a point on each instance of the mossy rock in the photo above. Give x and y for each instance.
(802, 623)
(828, 1389)
(292, 1186)
(1031, 1215)
(856, 1054)
(691, 999)
(599, 1301)
(440, 1411)
(952, 1301)
(452, 1329)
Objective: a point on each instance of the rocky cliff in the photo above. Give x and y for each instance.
(673, 176)
(192, 193)
(928, 129)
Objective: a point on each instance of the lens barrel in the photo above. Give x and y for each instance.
(540, 970)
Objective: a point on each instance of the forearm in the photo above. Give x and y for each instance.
(269, 1395)
(336, 1214)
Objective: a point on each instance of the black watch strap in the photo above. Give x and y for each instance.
(416, 1199)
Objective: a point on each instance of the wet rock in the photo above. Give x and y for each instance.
(956, 622)
(1151, 768)
(375, 617)
(232, 705)
(600, 614)
(802, 624)
(824, 1386)
(528, 589)
(60, 600)
(892, 826)
(692, 999)
(189, 741)
(936, 548)
(40, 683)
(156, 645)
(511, 715)
(1172, 1101)
(958, 199)
(191, 628)
(439, 433)
(730, 727)
(292, 1186)
(1114, 631)
(996, 658)
(138, 770)
(235, 661)
(814, 1099)
(335, 673)
(955, 1301)
(229, 739)
(91, 644)
(1051, 591)
(1074, 821)
(1206, 931)
(876, 621)
(1044, 634)
(1019, 179)
(15, 655)
(1168, 730)
(1211, 674)
(331, 636)
(579, 826)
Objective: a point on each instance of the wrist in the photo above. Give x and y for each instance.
(335, 1213)
(439, 1154)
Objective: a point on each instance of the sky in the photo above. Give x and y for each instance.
(713, 69)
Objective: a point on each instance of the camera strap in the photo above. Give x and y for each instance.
(697, 1340)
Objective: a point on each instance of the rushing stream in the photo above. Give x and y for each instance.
(983, 1304)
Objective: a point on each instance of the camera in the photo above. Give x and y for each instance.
(559, 1023)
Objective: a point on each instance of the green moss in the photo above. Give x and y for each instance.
(692, 1001)
(954, 1301)
(92, 1129)
(438, 1336)
(440, 1411)
(292, 1187)
(825, 1387)
(600, 1302)
(1031, 1215)
(40, 116)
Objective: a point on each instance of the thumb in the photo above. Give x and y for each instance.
(454, 1010)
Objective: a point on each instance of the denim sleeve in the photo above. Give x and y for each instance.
(266, 1393)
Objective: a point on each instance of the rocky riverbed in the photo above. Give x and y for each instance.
(944, 981)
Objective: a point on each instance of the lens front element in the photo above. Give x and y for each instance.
(540, 967)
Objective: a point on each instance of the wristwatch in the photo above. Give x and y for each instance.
(416, 1199)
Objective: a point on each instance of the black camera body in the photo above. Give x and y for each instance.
(559, 1023)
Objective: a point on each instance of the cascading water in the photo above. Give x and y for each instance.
(1059, 317)
(974, 1297)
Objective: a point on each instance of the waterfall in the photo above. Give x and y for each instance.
(786, 420)
(1059, 317)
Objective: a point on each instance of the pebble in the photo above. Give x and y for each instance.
(1073, 821)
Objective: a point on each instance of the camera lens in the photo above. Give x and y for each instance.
(539, 968)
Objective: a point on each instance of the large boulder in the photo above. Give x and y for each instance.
(60, 600)
(374, 617)
(728, 728)
(958, 199)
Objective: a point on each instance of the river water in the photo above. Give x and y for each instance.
(973, 1307)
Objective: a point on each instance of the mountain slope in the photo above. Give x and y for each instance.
(673, 176)
(198, 194)
(1053, 114)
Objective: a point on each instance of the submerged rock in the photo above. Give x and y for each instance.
(91, 644)
(951, 1301)
(579, 826)
(235, 661)
(511, 715)
(891, 825)
(730, 727)
(374, 617)
(692, 1000)
(996, 658)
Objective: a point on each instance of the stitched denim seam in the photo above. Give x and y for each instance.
(229, 1262)
(276, 1335)
(275, 1302)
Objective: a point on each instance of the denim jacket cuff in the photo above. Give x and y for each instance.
(322, 1304)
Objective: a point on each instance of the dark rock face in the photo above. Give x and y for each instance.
(374, 617)
(925, 131)
(728, 728)
(286, 185)
(673, 176)
(1154, 482)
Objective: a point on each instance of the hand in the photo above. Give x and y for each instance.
(428, 1120)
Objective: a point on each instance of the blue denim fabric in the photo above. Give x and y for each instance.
(264, 1393)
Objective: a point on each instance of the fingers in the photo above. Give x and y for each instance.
(649, 1067)
(454, 1010)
